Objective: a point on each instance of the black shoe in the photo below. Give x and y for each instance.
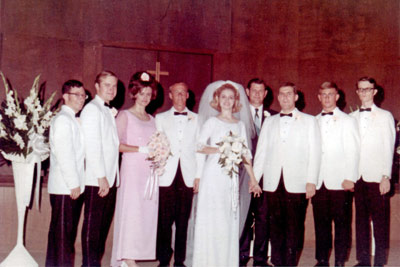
(362, 264)
(261, 264)
(322, 263)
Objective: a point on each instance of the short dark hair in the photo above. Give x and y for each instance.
(329, 85)
(66, 88)
(137, 83)
(289, 84)
(103, 74)
(257, 81)
(367, 79)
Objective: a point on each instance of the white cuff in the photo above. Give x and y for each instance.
(143, 149)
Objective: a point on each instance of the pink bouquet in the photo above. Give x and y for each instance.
(159, 151)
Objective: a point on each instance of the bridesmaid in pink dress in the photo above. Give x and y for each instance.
(135, 225)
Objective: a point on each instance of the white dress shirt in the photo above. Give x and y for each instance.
(67, 153)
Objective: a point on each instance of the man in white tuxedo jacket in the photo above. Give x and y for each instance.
(177, 184)
(66, 177)
(288, 158)
(102, 177)
(377, 133)
(338, 173)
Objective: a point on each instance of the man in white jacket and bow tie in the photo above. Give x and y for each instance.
(102, 176)
(338, 173)
(179, 181)
(377, 132)
(288, 158)
(66, 177)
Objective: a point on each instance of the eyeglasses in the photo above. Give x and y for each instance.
(79, 95)
(365, 90)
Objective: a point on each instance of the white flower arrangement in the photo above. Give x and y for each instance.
(145, 77)
(24, 124)
(233, 151)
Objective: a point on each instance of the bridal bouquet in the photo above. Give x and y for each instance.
(24, 124)
(159, 151)
(233, 151)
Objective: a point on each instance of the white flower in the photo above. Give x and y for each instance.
(20, 122)
(2, 132)
(145, 77)
(266, 114)
(237, 147)
(18, 139)
(114, 111)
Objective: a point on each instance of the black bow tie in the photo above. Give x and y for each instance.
(365, 109)
(176, 113)
(289, 115)
(327, 113)
(107, 105)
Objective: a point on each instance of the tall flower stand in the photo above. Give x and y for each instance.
(23, 179)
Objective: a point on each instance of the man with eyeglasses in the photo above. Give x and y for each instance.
(377, 132)
(340, 147)
(288, 157)
(66, 176)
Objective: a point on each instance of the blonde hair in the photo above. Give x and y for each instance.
(215, 101)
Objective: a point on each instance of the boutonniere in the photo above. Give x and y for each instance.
(190, 117)
(114, 111)
(266, 114)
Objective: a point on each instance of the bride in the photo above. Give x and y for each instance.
(216, 240)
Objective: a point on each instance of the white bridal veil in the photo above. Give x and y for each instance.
(206, 111)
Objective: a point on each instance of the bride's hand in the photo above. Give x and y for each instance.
(254, 187)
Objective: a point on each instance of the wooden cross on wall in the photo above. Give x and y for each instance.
(158, 71)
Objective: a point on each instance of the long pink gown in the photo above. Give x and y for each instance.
(135, 225)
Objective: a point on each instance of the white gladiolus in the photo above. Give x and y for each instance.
(20, 122)
(18, 139)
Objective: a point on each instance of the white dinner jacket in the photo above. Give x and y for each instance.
(377, 145)
(183, 151)
(67, 153)
(299, 157)
(340, 142)
(102, 144)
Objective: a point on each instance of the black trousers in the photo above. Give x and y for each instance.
(336, 206)
(287, 215)
(175, 205)
(65, 213)
(371, 205)
(259, 217)
(99, 212)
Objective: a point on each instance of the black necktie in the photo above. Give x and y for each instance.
(107, 105)
(327, 113)
(176, 113)
(289, 115)
(365, 109)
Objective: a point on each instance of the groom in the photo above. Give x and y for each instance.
(178, 182)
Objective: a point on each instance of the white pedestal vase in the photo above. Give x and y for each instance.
(23, 179)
